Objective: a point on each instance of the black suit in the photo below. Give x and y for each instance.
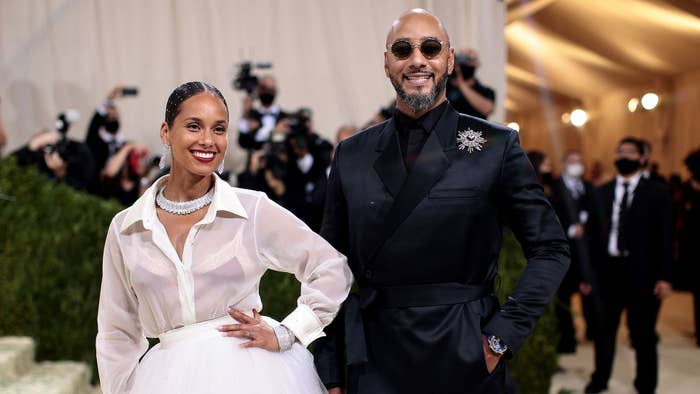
(573, 207)
(628, 282)
(423, 247)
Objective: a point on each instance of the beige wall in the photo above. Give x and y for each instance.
(327, 55)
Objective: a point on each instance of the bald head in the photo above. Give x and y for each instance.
(416, 16)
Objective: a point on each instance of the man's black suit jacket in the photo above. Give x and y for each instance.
(440, 224)
(569, 209)
(648, 233)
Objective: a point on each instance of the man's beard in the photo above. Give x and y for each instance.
(420, 102)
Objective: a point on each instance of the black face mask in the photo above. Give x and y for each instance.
(627, 166)
(112, 126)
(547, 178)
(267, 98)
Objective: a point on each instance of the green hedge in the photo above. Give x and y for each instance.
(51, 240)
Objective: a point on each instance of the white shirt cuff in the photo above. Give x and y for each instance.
(305, 325)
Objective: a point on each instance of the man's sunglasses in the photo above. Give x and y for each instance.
(430, 48)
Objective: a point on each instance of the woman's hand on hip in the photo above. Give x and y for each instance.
(254, 328)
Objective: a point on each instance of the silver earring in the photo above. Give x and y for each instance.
(164, 157)
(220, 169)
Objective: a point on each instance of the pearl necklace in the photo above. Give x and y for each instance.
(183, 207)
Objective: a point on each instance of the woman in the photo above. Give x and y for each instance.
(189, 253)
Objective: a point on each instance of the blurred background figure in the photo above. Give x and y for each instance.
(543, 168)
(125, 176)
(466, 94)
(260, 114)
(103, 134)
(571, 199)
(689, 236)
(57, 156)
(650, 169)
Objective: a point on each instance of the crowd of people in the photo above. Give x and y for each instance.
(285, 156)
(632, 240)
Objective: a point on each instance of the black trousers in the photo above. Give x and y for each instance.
(619, 293)
(696, 303)
(565, 321)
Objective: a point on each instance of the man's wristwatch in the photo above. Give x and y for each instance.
(496, 345)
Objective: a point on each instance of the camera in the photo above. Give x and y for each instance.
(130, 91)
(299, 121)
(245, 80)
(65, 119)
(465, 66)
(275, 157)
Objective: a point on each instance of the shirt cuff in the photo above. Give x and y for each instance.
(305, 325)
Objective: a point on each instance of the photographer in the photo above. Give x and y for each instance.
(125, 174)
(257, 123)
(311, 156)
(58, 157)
(466, 94)
(267, 169)
(103, 137)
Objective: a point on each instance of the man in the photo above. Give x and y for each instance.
(571, 199)
(415, 203)
(258, 123)
(103, 137)
(633, 264)
(465, 92)
(650, 169)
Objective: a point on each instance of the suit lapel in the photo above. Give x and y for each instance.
(389, 164)
(428, 169)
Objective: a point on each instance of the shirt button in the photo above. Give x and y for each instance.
(369, 273)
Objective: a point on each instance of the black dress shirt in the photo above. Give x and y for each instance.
(413, 132)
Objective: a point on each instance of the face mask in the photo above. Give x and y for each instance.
(574, 170)
(627, 166)
(112, 126)
(267, 98)
(546, 178)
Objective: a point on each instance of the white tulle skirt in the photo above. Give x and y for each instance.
(197, 359)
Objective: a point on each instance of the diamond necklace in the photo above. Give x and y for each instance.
(183, 207)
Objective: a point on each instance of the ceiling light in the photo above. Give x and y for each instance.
(633, 104)
(578, 117)
(650, 101)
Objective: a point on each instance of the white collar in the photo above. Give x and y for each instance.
(272, 110)
(144, 209)
(633, 181)
(109, 137)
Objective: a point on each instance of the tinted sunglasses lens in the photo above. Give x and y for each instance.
(401, 49)
(430, 48)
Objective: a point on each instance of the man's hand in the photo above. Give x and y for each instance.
(336, 390)
(490, 356)
(662, 289)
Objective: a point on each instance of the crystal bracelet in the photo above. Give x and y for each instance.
(285, 337)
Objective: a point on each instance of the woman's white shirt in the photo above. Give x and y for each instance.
(147, 290)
